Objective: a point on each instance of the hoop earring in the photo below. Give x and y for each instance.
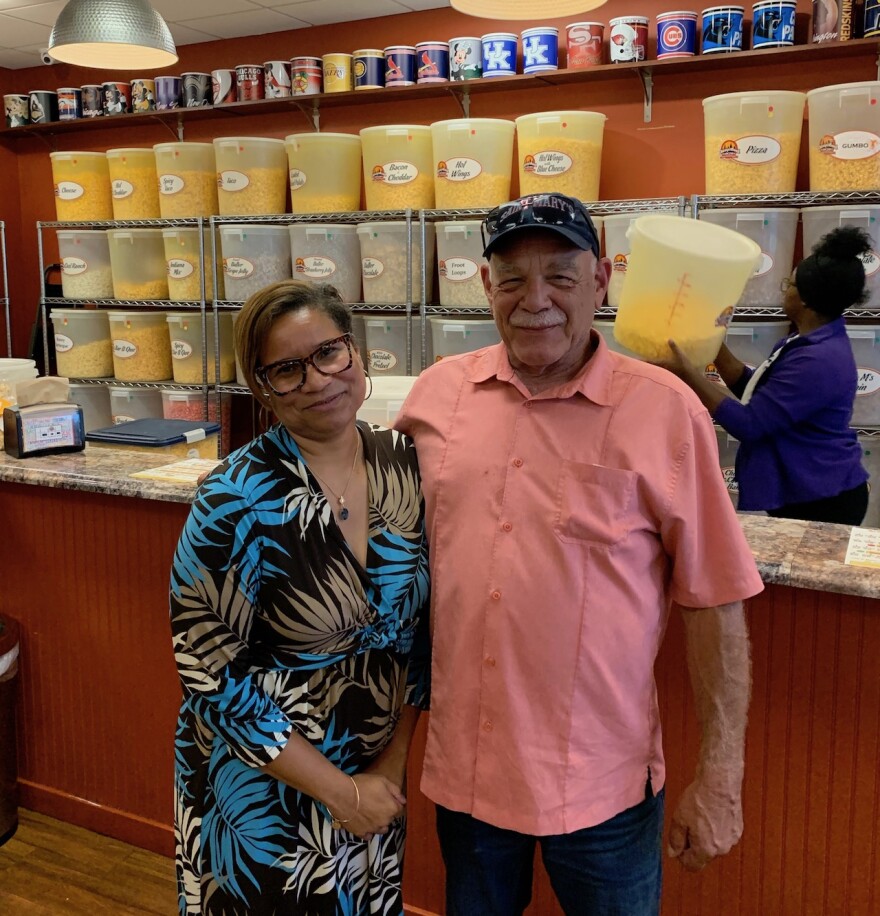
(370, 380)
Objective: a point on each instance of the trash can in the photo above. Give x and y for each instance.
(8, 750)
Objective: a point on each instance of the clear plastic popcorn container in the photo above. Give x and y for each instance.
(253, 257)
(85, 264)
(141, 346)
(384, 261)
(186, 332)
(324, 172)
(451, 336)
(560, 151)
(327, 253)
(398, 167)
(127, 404)
(187, 180)
(82, 343)
(251, 176)
(473, 158)
(137, 259)
(133, 183)
(752, 141)
(82, 186)
(845, 137)
(459, 258)
(184, 266)
(617, 250)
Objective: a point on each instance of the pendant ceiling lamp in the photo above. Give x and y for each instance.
(524, 9)
(112, 35)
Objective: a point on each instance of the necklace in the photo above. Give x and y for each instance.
(340, 497)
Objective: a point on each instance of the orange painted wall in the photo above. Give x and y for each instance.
(664, 157)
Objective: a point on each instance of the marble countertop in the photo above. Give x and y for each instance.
(798, 554)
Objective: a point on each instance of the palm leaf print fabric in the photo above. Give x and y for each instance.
(276, 627)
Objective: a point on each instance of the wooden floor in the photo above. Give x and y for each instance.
(50, 868)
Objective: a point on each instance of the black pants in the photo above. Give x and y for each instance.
(847, 508)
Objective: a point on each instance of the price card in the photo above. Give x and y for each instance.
(864, 548)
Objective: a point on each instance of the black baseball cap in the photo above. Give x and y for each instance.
(563, 215)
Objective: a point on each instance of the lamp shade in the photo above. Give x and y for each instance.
(112, 34)
(524, 9)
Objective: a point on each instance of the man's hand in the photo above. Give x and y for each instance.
(707, 823)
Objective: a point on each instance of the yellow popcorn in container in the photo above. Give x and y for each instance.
(187, 180)
(251, 176)
(133, 182)
(324, 172)
(82, 343)
(472, 160)
(141, 346)
(398, 167)
(85, 264)
(82, 186)
(185, 329)
(845, 137)
(459, 259)
(137, 260)
(752, 141)
(560, 151)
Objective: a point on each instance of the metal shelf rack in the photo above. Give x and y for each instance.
(4, 299)
(795, 199)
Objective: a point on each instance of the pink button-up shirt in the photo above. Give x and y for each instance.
(560, 528)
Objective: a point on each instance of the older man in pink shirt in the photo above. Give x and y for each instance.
(572, 495)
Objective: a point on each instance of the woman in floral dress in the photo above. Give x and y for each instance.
(299, 596)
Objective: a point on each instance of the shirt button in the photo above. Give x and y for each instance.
(496, 595)
(528, 405)
(507, 526)
(490, 661)
(517, 462)
(488, 726)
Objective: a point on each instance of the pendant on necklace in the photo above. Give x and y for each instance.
(343, 512)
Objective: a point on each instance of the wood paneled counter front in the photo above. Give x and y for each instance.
(86, 574)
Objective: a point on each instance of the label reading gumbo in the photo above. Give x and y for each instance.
(297, 179)
(124, 349)
(232, 181)
(122, 189)
(170, 184)
(459, 169)
(178, 268)
(315, 267)
(850, 144)
(69, 190)
(73, 267)
(751, 150)
(547, 163)
(238, 268)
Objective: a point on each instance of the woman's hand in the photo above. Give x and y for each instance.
(678, 363)
(379, 803)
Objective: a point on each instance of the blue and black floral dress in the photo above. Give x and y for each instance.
(277, 627)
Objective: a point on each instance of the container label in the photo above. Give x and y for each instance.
(459, 169)
(382, 360)
(868, 381)
(73, 267)
(122, 189)
(619, 262)
(231, 180)
(730, 480)
(751, 150)
(765, 266)
(170, 184)
(180, 349)
(371, 268)
(178, 268)
(121, 418)
(124, 349)
(871, 263)
(238, 268)
(395, 173)
(547, 163)
(457, 270)
(69, 190)
(63, 343)
(316, 267)
(297, 179)
(850, 144)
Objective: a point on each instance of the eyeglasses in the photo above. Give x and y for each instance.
(542, 210)
(784, 285)
(289, 375)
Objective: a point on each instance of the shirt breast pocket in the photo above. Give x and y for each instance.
(594, 503)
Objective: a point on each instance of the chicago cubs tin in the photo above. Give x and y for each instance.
(369, 69)
(540, 49)
(677, 34)
(400, 65)
(432, 62)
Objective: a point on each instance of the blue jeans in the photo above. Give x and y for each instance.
(612, 869)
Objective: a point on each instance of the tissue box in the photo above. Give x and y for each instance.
(174, 438)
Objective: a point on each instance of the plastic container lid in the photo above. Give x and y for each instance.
(155, 433)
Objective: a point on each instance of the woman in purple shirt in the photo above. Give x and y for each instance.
(798, 456)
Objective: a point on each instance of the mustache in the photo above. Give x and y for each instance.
(538, 321)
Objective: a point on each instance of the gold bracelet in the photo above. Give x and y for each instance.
(336, 822)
